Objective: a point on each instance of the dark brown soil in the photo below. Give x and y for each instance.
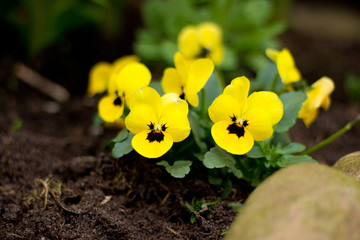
(59, 181)
(101, 197)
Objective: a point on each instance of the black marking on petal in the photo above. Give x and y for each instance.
(237, 129)
(117, 101)
(233, 118)
(182, 96)
(245, 123)
(203, 53)
(163, 127)
(151, 126)
(155, 135)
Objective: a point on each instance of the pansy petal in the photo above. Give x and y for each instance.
(140, 117)
(192, 98)
(172, 81)
(176, 122)
(108, 110)
(217, 54)
(118, 65)
(258, 123)
(269, 102)
(123, 61)
(230, 141)
(188, 42)
(272, 54)
(199, 72)
(173, 98)
(145, 95)
(210, 34)
(133, 77)
(153, 149)
(98, 78)
(182, 66)
(325, 104)
(223, 108)
(239, 90)
(286, 67)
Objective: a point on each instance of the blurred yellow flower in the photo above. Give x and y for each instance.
(129, 79)
(101, 73)
(240, 120)
(285, 64)
(317, 96)
(204, 40)
(187, 78)
(156, 121)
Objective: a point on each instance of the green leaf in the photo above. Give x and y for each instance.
(121, 136)
(192, 218)
(255, 152)
(197, 131)
(288, 160)
(179, 169)
(265, 77)
(236, 206)
(212, 90)
(292, 102)
(291, 148)
(157, 86)
(122, 148)
(219, 158)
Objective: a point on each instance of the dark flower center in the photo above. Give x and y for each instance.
(117, 101)
(203, 53)
(236, 128)
(182, 96)
(156, 134)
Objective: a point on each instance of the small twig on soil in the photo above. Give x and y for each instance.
(173, 231)
(165, 198)
(14, 235)
(43, 84)
(65, 208)
(46, 190)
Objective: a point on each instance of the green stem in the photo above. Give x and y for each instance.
(203, 110)
(274, 83)
(330, 139)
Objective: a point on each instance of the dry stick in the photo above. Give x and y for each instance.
(64, 208)
(46, 189)
(173, 231)
(34, 79)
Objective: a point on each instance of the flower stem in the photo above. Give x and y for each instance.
(330, 139)
(274, 83)
(203, 110)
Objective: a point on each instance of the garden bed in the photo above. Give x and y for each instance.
(57, 149)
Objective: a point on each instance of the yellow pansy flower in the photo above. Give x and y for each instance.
(318, 96)
(129, 79)
(157, 122)
(204, 40)
(239, 119)
(285, 64)
(187, 78)
(101, 73)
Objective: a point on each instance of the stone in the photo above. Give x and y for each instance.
(305, 201)
(350, 165)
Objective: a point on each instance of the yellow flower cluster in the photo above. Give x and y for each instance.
(317, 96)
(204, 40)
(159, 121)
